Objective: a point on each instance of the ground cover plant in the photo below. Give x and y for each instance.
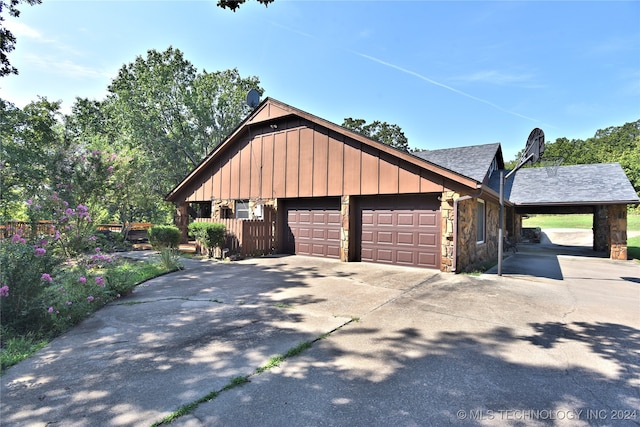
(51, 281)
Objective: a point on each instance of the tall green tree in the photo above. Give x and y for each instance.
(384, 132)
(174, 113)
(30, 140)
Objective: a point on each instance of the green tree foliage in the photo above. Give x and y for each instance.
(384, 132)
(614, 144)
(174, 113)
(30, 141)
(235, 4)
(7, 39)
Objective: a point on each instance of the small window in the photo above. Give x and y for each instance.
(242, 209)
(481, 222)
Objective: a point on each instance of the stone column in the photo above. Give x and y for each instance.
(345, 219)
(447, 231)
(600, 229)
(617, 222)
(182, 221)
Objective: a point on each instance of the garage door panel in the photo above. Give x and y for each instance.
(407, 258)
(429, 219)
(406, 238)
(406, 219)
(333, 234)
(400, 230)
(427, 239)
(314, 227)
(385, 237)
(385, 219)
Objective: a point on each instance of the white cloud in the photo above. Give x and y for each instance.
(20, 29)
(64, 67)
(499, 78)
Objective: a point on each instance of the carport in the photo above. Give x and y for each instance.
(602, 190)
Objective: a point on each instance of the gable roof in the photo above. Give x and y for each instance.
(472, 161)
(593, 184)
(270, 110)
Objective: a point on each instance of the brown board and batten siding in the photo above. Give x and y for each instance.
(307, 161)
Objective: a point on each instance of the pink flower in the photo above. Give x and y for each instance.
(82, 280)
(98, 249)
(17, 238)
(69, 211)
(90, 298)
(57, 236)
(110, 169)
(50, 310)
(4, 291)
(29, 202)
(68, 303)
(46, 277)
(40, 251)
(100, 281)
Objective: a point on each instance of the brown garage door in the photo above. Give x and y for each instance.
(313, 227)
(402, 230)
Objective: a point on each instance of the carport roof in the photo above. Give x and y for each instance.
(593, 184)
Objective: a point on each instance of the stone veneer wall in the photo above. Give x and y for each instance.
(447, 223)
(471, 254)
(617, 220)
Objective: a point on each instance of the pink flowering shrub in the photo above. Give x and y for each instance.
(24, 274)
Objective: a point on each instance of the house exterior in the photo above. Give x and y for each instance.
(338, 194)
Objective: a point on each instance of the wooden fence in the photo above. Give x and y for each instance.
(248, 237)
(46, 228)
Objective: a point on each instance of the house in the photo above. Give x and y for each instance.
(338, 194)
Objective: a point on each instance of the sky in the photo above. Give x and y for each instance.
(449, 73)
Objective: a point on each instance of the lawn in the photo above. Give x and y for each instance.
(586, 222)
(573, 221)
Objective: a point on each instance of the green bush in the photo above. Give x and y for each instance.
(164, 236)
(209, 234)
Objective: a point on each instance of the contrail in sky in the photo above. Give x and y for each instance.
(414, 74)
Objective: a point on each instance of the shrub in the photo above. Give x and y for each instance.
(209, 234)
(26, 269)
(170, 259)
(164, 236)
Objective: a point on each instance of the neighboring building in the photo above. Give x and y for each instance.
(338, 194)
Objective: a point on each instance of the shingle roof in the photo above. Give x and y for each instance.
(473, 161)
(601, 183)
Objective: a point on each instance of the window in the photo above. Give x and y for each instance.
(242, 209)
(481, 222)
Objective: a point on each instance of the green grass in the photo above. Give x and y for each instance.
(584, 221)
(18, 348)
(633, 248)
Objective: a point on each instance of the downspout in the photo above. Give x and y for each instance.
(455, 225)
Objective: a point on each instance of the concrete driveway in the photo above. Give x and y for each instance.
(389, 345)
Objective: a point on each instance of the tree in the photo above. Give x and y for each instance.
(29, 142)
(7, 39)
(234, 4)
(175, 114)
(384, 132)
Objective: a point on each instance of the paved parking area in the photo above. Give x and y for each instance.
(389, 345)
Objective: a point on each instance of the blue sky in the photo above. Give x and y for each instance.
(448, 73)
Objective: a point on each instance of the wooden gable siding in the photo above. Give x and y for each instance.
(297, 158)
